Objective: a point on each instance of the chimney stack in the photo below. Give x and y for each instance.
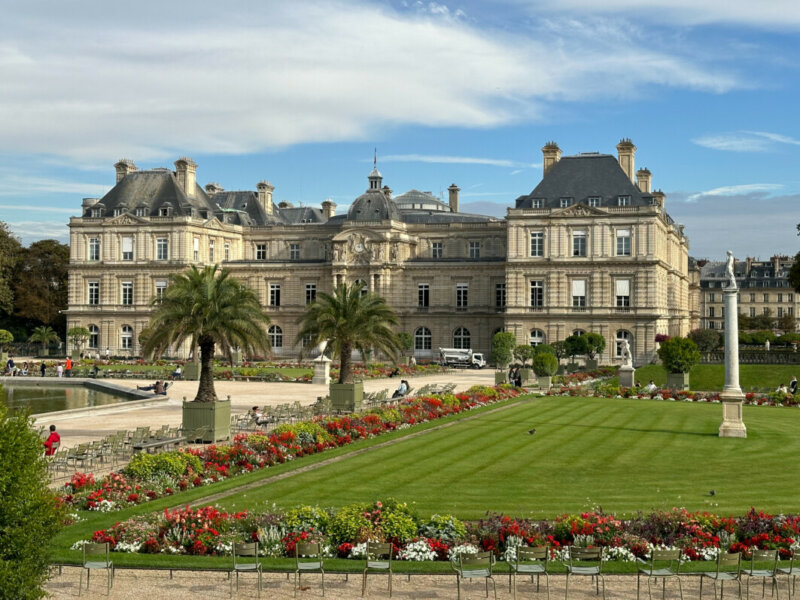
(658, 198)
(552, 154)
(265, 189)
(643, 178)
(214, 188)
(626, 153)
(186, 172)
(453, 197)
(123, 167)
(328, 208)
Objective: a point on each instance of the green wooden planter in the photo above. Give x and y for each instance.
(527, 375)
(347, 397)
(544, 382)
(191, 371)
(678, 381)
(500, 377)
(214, 415)
(591, 364)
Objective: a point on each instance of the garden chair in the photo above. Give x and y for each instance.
(307, 557)
(771, 573)
(246, 550)
(663, 565)
(475, 566)
(79, 454)
(379, 558)
(530, 561)
(586, 562)
(728, 568)
(96, 556)
(792, 573)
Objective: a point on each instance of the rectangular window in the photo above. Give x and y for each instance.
(537, 294)
(94, 248)
(436, 250)
(536, 203)
(790, 311)
(594, 201)
(579, 243)
(790, 297)
(780, 297)
(623, 242)
(474, 249)
(97, 213)
(752, 311)
(500, 295)
(462, 295)
(94, 293)
(623, 292)
(780, 312)
(311, 292)
(141, 211)
(711, 311)
(623, 200)
(211, 251)
(766, 310)
(261, 252)
(537, 243)
(766, 297)
(127, 248)
(752, 297)
(294, 251)
(161, 289)
(117, 212)
(711, 297)
(423, 294)
(162, 249)
(564, 202)
(196, 249)
(127, 293)
(274, 294)
(711, 324)
(578, 293)
(227, 251)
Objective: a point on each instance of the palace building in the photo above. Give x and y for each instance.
(591, 248)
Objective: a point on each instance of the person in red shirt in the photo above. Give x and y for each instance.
(68, 367)
(53, 439)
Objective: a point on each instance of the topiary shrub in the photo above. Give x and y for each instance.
(545, 364)
(576, 345)
(707, 340)
(503, 344)
(679, 355)
(171, 464)
(595, 344)
(524, 353)
(761, 337)
(546, 349)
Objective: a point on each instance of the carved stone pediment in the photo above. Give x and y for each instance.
(578, 210)
(213, 223)
(125, 219)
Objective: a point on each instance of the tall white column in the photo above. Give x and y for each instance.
(732, 423)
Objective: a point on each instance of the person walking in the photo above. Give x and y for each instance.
(68, 367)
(60, 370)
(43, 368)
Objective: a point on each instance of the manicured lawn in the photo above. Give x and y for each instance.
(621, 455)
(712, 377)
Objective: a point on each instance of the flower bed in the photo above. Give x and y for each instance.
(153, 476)
(344, 532)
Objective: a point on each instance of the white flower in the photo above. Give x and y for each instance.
(359, 550)
(512, 543)
(462, 550)
(620, 553)
(79, 544)
(105, 506)
(417, 551)
(128, 547)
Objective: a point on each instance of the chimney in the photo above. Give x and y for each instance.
(626, 153)
(214, 188)
(265, 189)
(552, 154)
(658, 198)
(643, 177)
(328, 209)
(123, 167)
(186, 172)
(453, 197)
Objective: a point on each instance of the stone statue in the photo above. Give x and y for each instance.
(335, 254)
(729, 271)
(321, 349)
(627, 358)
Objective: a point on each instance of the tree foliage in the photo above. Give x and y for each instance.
(349, 320)
(707, 340)
(208, 307)
(595, 344)
(6, 338)
(405, 341)
(503, 343)
(545, 364)
(40, 282)
(29, 514)
(679, 355)
(524, 352)
(78, 336)
(576, 345)
(9, 254)
(45, 336)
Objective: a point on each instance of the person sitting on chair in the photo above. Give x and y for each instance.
(176, 374)
(53, 439)
(402, 390)
(793, 385)
(650, 387)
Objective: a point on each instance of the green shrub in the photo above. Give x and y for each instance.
(398, 521)
(347, 522)
(444, 527)
(545, 365)
(761, 337)
(545, 349)
(576, 345)
(707, 340)
(306, 518)
(595, 344)
(679, 355)
(503, 344)
(171, 464)
(524, 353)
(789, 338)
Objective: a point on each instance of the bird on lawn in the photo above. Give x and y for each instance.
(712, 493)
(532, 431)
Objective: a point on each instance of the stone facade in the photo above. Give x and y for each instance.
(591, 248)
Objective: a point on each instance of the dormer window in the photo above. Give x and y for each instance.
(96, 213)
(623, 200)
(594, 201)
(204, 214)
(536, 203)
(165, 210)
(564, 202)
(118, 211)
(141, 211)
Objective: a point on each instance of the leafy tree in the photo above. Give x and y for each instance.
(545, 364)
(44, 335)
(524, 353)
(40, 282)
(405, 341)
(679, 355)
(29, 514)
(794, 272)
(503, 343)
(78, 336)
(787, 323)
(576, 345)
(559, 349)
(707, 340)
(9, 253)
(744, 322)
(761, 337)
(5, 339)
(762, 321)
(546, 349)
(789, 338)
(349, 320)
(595, 344)
(208, 307)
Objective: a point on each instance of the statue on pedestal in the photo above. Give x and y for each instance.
(729, 271)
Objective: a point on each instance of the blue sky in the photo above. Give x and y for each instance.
(300, 93)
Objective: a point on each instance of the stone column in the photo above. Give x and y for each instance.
(322, 370)
(732, 396)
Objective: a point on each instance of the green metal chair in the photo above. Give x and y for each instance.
(475, 566)
(663, 565)
(246, 550)
(307, 557)
(792, 573)
(96, 556)
(763, 556)
(379, 559)
(586, 562)
(729, 568)
(530, 561)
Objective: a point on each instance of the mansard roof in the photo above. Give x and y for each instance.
(247, 202)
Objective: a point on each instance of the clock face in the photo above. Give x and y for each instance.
(359, 247)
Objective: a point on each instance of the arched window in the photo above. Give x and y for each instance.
(621, 336)
(578, 332)
(275, 336)
(127, 337)
(536, 337)
(461, 338)
(94, 336)
(422, 338)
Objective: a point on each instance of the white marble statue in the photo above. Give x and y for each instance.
(627, 357)
(729, 271)
(321, 349)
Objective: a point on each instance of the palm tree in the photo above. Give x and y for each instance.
(208, 307)
(349, 320)
(44, 335)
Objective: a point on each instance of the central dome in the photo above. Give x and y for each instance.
(373, 206)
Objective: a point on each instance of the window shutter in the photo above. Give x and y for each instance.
(578, 287)
(623, 287)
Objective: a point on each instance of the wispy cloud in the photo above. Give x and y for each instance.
(30, 231)
(45, 209)
(24, 185)
(456, 160)
(738, 190)
(744, 141)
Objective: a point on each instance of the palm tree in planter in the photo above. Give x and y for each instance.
(348, 319)
(44, 335)
(208, 307)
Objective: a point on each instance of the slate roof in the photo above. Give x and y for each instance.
(582, 177)
(420, 200)
(762, 275)
(247, 203)
(373, 205)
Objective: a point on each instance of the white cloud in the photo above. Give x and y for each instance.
(738, 190)
(461, 160)
(22, 185)
(171, 79)
(744, 141)
(30, 231)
